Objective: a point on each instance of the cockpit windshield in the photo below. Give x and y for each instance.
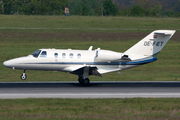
(36, 53)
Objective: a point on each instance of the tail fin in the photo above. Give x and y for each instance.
(151, 45)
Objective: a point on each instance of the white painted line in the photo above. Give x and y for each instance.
(92, 95)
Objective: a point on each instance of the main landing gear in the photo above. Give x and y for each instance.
(23, 76)
(83, 81)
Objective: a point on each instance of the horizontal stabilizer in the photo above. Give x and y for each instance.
(163, 33)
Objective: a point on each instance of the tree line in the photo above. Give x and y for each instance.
(33, 7)
(87, 7)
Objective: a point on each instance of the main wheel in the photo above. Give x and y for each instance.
(86, 81)
(80, 80)
(23, 76)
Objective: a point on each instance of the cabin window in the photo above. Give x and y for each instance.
(36, 53)
(71, 55)
(79, 55)
(43, 54)
(64, 55)
(56, 55)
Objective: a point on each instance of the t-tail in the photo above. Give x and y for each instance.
(149, 46)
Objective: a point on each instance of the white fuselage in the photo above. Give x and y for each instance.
(70, 60)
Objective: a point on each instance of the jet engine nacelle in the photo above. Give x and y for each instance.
(107, 56)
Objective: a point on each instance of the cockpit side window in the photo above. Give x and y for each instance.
(43, 54)
(36, 53)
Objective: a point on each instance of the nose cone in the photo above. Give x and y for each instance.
(7, 63)
(15, 63)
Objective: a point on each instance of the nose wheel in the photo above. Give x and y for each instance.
(23, 76)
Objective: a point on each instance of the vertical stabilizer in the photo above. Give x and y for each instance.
(152, 44)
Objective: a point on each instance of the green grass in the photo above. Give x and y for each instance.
(132, 108)
(21, 42)
(135, 23)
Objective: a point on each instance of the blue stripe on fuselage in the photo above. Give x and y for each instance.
(140, 62)
(136, 62)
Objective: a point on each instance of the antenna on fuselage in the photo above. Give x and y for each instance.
(90, 48)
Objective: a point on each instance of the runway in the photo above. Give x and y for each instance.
(15, 90)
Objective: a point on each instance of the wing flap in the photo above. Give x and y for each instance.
(92, 71)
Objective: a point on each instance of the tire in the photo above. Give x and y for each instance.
(80, 80)
(23, 77)
(86, 81)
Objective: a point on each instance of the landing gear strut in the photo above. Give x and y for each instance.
(84, 77)
(83, 81)
(23, 76)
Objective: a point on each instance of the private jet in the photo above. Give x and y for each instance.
(93, 62)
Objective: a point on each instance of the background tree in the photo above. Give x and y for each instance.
(137, 10)
(110, 8)
(84, 7)
(92, 7)
(33, 7)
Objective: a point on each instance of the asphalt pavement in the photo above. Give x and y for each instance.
(13, 90)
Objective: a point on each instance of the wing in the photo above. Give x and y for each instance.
(92, 71)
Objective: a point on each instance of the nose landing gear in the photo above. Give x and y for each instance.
(23, 76)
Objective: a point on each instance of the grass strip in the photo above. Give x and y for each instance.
(131, 108)
(121, 23)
